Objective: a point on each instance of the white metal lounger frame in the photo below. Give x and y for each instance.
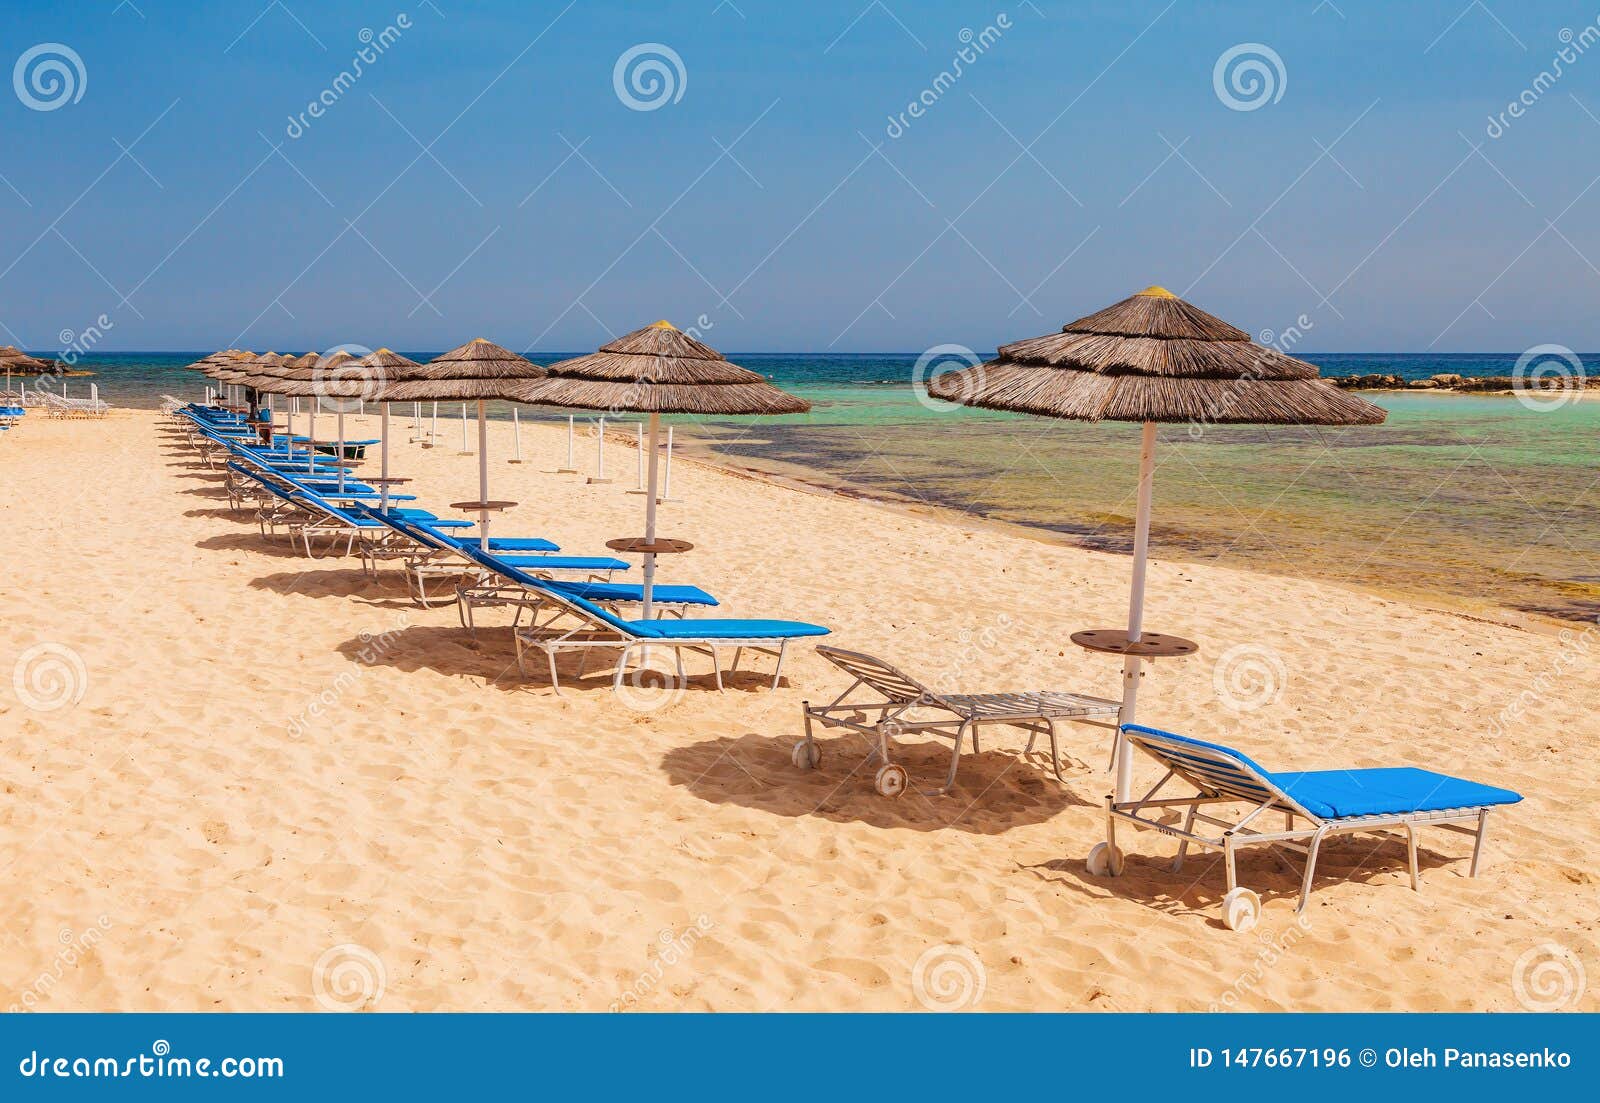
(1223, 778)
(1035, 713)
(592, 632)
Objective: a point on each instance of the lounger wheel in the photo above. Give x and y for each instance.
(891, 780)
(1241, 908)
(1105, 860)
(806, 755)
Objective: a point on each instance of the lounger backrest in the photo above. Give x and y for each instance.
(893, 683)
(1212, 768)
(571, 602)
(417, 534)
(299, 496)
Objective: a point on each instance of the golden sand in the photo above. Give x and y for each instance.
(237, 779)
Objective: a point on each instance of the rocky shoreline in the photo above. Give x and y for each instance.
(1463, 384)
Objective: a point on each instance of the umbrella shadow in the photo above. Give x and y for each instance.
(1198, 888)
(995, 791)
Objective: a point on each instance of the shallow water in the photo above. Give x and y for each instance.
(1470, 500)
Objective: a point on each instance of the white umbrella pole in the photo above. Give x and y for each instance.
(572, 467)
(464, 448)
(311, 431)
(433, 427)
(666, 479)
(516, 435)
(650, 516)
(1132, 665)
(383, 487)
(638, 432)
(483, 476)
(340, 453)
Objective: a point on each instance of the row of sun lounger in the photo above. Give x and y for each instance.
(572, 604)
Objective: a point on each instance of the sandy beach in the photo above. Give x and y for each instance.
(237, 779)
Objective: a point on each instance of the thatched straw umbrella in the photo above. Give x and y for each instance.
(478, 371)
(240, 371)
(339, 377)
(19, 362)
(658, 370)
(1151, 358)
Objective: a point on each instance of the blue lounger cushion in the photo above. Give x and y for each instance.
(1379, 791)
(498, 543)
(555, 563)
(1393, 790)
(725, 629)
(629, 591)
(519, 543)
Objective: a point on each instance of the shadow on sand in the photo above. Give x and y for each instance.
(995, 791)
(1197, 890)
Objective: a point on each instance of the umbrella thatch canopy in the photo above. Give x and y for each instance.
(1150, 358)
(1154, 357)
(659, 370)
(222, 356)
(15, 361)
(338, 376)
(477, 371)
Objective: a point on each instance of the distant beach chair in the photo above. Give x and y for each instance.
(1330, 801)
(909, 707)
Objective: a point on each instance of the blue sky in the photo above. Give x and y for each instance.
(484, 176)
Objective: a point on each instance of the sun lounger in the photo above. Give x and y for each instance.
(497, 587)
(1330, 802)
(579, 624)
(904, 706)
(427, 551)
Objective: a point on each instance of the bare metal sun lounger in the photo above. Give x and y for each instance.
(908, 707)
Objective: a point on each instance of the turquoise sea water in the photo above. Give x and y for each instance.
(1464, 499)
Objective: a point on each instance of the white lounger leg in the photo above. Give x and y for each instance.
(1183, 844)
(1411, 856)
(1311, 868)
(777, 671)
(955, 755)
(1477, 846)
(716, 666)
